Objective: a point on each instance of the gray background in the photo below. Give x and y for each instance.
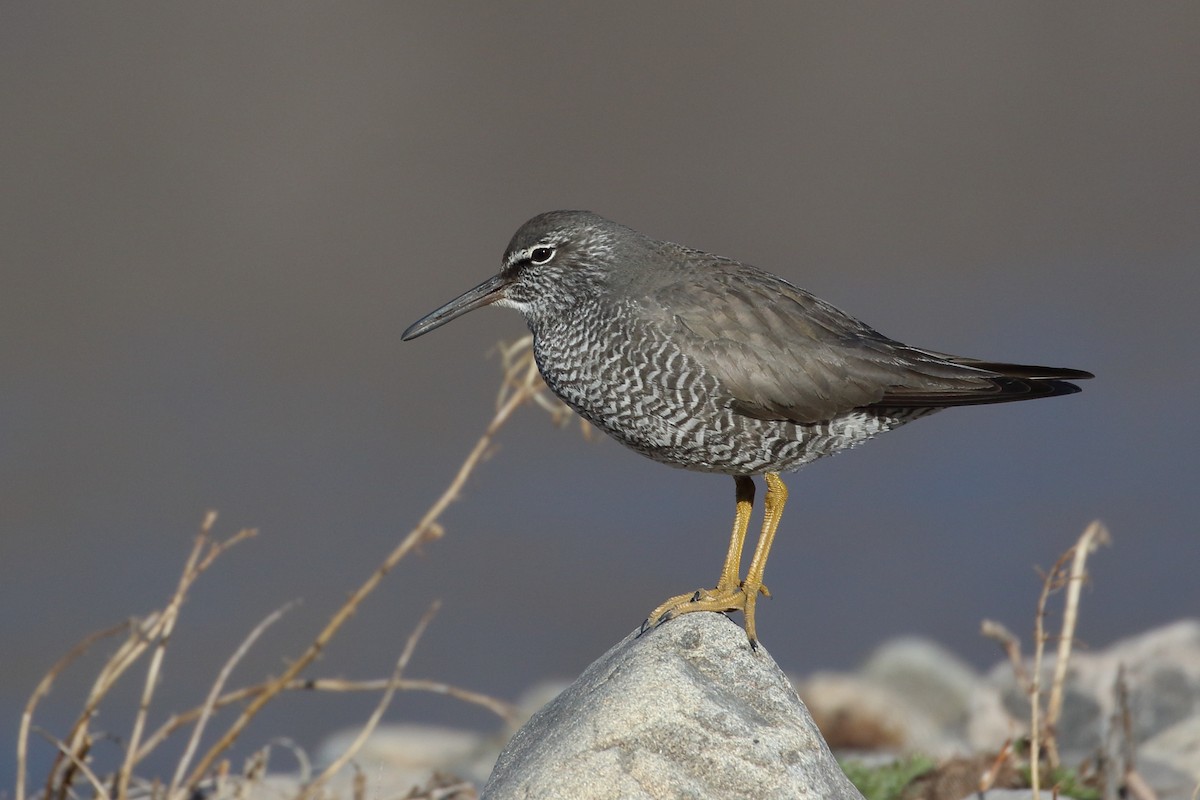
(216, 220)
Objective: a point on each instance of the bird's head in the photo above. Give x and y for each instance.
(554, 262)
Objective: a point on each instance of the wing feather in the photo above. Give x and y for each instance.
(781, 353)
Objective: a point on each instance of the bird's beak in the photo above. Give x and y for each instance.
(484, 294)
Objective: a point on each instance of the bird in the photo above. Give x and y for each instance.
(706, 363)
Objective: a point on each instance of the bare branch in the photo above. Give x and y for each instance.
(42, 689)
(162, 630)
(153, 633)
(1040, 735)
(1095, 535)
(1012, 648)
(506, 711)
(78, 763)
(988, 779)
(526, 384)
(384, 702)
(215, 692)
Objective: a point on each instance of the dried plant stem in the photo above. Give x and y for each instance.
(500, 708)
(1095, 535)
(161, 632)
(506, 711)
(1012, 648)
(1042, 727)
(988, 779)
(373, 722)
(445, 792)
(215, 692)
(522, 383)
(1038, 736)
(77, 739)
(1132, 781)
(143, 633)
(42, 689)
(153, 633)
(78, 763)
(1137, 787)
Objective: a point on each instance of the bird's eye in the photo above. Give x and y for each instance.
(540, 255)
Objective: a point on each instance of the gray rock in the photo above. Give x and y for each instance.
(1081, 725)
(1167, 782)
(911, 696)
(397, 757)
(1177, 747)
(858, 715)
(990, 724)
(1162, 670)
(685, 711)
(929, 676)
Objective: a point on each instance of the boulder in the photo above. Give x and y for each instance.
(687, 710)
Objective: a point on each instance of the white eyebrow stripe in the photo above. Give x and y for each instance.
(527, 253)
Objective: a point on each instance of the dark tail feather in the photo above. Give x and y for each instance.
(1007, 383)
(1026, 370)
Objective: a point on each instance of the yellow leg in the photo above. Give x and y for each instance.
(730, 593)
(741, 522)
(729, 585)
(773, 504)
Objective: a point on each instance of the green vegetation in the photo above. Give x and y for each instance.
(888, 781)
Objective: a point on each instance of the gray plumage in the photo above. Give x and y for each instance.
(706, 363)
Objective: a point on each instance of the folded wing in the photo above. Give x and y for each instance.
(781, 353)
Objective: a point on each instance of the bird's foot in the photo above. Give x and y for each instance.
(721, 599)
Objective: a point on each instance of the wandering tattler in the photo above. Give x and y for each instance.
(705, 363)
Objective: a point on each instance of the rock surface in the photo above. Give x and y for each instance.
(928, 676)
(1162, 671)
(395, 758)
(676, 714)
(686, 711)
(1177, 747)
(858, 715)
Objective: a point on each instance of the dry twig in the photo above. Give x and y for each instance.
(505, 711)
(988, 779)
(42, 689)
(142, 634)
(80, 764)
(153, 632)
(522, 383)
(384, 702)
(1012, 648)
(1072, 579)
(160, 632)
(1095, 535)
(1043, 724)
(1039, 733)
(215, 692)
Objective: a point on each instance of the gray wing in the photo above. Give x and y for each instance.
(781, 353)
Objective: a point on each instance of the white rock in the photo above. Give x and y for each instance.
(1177, 747)
(686, 711)
(928, 675)
(857, 714)
(1162, 671)
(397, 757)
(991, 724)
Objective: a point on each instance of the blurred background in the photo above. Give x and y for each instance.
(218, 218)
